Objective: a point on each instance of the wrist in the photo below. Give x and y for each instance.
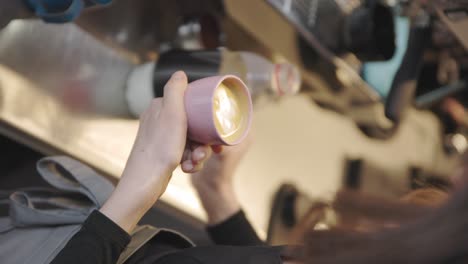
(219, 201)
(126, 213)
(216, 183)
(128, 204)
(145, 176)
(145, 192)
(215, 191)
(137, 191)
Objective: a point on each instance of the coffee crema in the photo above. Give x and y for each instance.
(227, 111)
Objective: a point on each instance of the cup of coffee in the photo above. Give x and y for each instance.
(219, 110)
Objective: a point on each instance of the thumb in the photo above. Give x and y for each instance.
(173, 101)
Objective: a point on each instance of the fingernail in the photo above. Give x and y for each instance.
(178, 75)
(188, 166)
(200, 155)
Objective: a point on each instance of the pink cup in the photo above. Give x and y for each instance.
(200, 108)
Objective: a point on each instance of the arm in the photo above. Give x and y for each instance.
(99, 241)
(227, 223)
(160, 146)
(235, 231)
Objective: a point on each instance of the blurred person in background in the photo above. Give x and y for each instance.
(446, 63)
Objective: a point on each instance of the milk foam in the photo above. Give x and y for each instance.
(227, 111)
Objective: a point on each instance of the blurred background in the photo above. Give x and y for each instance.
(364, 94)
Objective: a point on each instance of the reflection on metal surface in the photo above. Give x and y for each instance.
(244, 13)
(68, 63)
(132, 25)
(141, 26)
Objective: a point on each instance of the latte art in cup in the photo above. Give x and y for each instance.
(219, 110)
(227, 112)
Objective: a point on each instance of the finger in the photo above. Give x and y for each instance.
(200, 154)
(197, 168)
(187, 155)
(151, 113)
(153, 109)
(189, 167)
(174, 91)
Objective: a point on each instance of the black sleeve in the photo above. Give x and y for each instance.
(235, 231)
(99, 241)
(225, 255)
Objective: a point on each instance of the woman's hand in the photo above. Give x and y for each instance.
(160, 146)
(214, 183)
